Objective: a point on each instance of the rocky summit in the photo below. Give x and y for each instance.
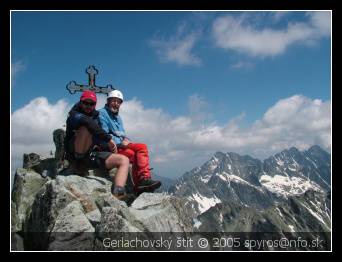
(50, 213)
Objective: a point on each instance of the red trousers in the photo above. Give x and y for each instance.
(138, 156)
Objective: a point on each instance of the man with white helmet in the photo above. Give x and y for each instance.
(137, 153)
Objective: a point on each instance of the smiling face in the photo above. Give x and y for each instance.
(114, 104)
(88, 105)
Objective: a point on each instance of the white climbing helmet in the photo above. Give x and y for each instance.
(115, 93)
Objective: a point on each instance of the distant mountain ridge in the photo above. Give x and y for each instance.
(253, 182)
(229, 180)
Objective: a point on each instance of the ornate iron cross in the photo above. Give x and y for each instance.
(72, 87)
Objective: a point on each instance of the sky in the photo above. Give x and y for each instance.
(194, 83)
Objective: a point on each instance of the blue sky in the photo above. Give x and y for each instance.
(210, 72)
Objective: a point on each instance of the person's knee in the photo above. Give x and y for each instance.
(83, 130)
(127, 152)
(142, 146)
(124, 160)
(83, 134)
(117, 160)
(83, 140)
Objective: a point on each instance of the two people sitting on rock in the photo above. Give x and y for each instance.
(88, 145)
(82, 139)
(137, 153)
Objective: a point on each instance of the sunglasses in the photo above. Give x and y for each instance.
(88, 103)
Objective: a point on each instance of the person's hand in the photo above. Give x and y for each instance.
(125, 142)
(112, 146)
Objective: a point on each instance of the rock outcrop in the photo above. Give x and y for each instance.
(74, 213)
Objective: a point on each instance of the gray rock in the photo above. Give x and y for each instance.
(113, 220)
(26, 185)
(17, 242)
(74, 213)
(94, 217)
(161, 213)
(146, 200)
(72, 219)
(72, 229)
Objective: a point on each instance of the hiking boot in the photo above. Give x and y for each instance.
(148, 185)
(119, 192)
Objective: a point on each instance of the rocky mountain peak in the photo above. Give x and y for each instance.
(71, 204)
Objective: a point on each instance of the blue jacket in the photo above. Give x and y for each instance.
(112, 124)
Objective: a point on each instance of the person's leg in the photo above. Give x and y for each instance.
(132, 159)
(127, 152)
(122, 164)
(79, 148)
(83, 141)
(142, 162)
(142, 175)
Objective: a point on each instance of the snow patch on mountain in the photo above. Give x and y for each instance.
(213, 163)
(316, 215)
(291, 228)
(233, 178)
(279, 212)
(197, 223)
(205, 179)
(204, 203)
(280, 162)
(287, 186)
(311, 162)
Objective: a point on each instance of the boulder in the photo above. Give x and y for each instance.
(26, 185)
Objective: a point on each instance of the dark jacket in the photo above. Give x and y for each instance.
(77, 118)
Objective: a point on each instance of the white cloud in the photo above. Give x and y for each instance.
(239, 34)
(178, 144)
(32, 127)
(32, 123)
(16, 68)
(178, 48)
(321, 21)
(294, 121)
(301, 120)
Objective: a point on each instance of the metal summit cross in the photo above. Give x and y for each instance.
(73, 87)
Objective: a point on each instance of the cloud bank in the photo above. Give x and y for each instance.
(181, 143)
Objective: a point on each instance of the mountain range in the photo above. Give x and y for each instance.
(287, 192)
